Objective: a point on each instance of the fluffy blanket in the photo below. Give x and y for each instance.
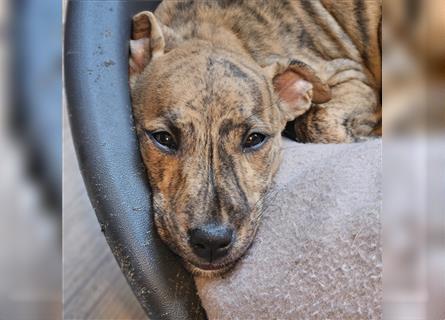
(317, 254)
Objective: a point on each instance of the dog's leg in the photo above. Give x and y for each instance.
(349, 116)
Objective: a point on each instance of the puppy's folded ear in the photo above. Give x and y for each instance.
(297, 86)
(148, 41)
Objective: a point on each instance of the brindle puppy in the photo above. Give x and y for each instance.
(213, 85)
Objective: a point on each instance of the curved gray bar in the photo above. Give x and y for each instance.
(96, 66)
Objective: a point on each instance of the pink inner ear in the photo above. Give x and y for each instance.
(293, 89)
(138, 50)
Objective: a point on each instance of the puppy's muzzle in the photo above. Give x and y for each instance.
(211, 242)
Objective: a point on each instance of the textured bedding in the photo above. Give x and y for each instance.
(317, 254)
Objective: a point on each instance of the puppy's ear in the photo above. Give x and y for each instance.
(148, 41)
(297, 86)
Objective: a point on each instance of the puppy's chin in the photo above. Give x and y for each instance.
(205, 273)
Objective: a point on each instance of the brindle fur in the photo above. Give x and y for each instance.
(209, 75)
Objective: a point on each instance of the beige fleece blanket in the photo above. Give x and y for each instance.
(317, 254)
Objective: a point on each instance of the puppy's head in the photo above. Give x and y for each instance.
(209, 123)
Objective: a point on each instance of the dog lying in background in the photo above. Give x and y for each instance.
(213, 86)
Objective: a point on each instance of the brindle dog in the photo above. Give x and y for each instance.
(214, 84)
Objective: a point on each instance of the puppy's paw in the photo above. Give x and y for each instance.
(319, 125)
(365, 139)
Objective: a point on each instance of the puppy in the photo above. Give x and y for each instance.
(213, 86)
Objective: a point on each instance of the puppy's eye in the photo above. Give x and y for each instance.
(164, 140)
(254, 141)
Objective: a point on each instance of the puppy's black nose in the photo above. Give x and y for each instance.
(211, 242)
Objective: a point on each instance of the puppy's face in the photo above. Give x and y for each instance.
(209, 127)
